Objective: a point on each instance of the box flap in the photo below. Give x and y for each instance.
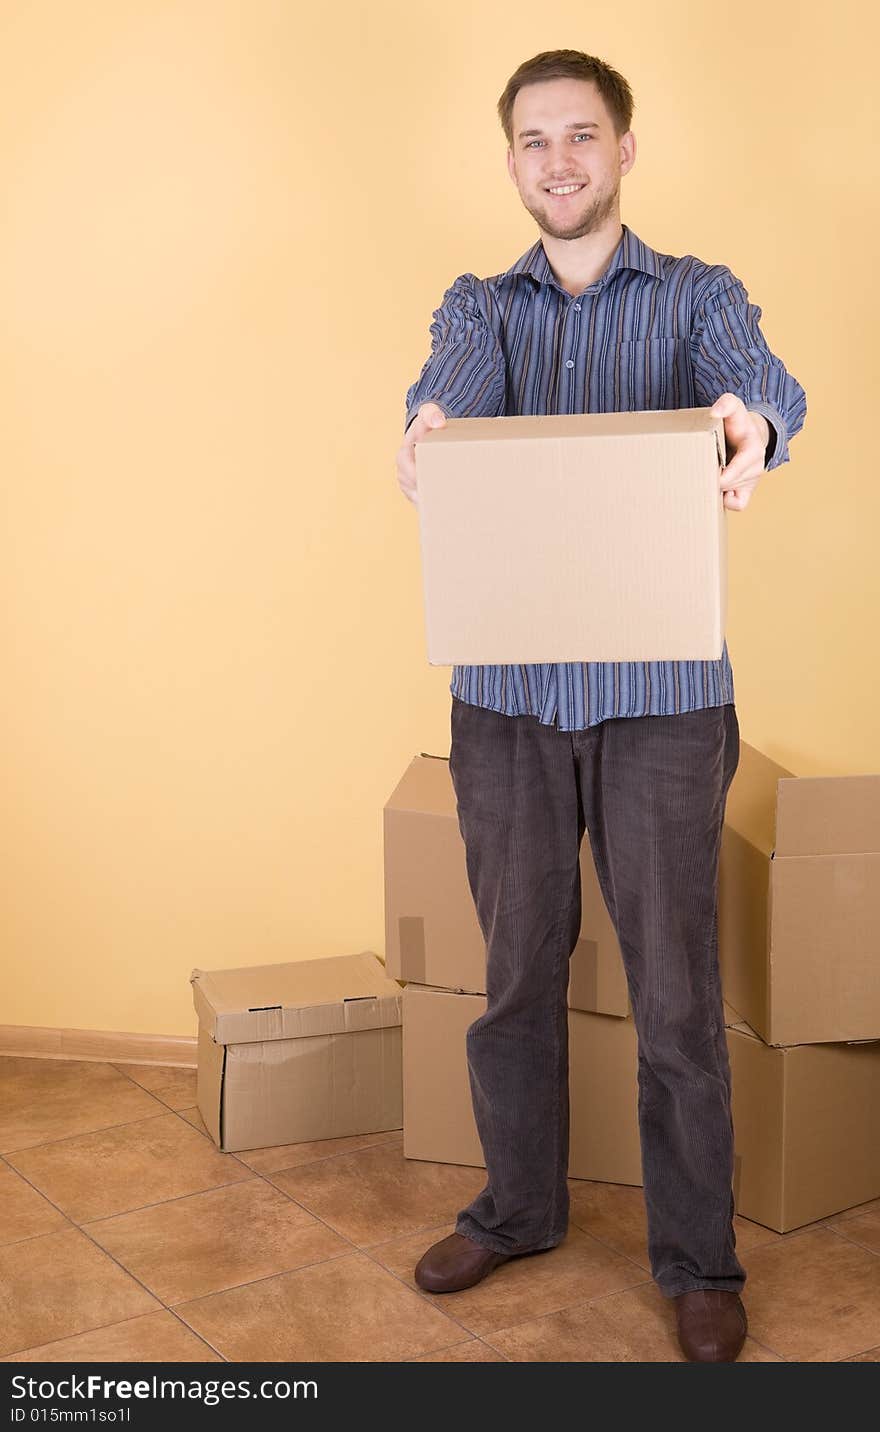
(652, 422)
(752, 798)
(299, 999)
(828, 815)
(424, 788)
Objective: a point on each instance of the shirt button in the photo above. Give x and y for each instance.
(569, 363)
(577, 308)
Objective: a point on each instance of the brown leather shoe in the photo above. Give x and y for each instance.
(454, 1263)
(712, 1325)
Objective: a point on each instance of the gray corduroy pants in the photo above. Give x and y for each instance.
(650, 791)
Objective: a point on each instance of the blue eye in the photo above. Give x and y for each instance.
(582, 134)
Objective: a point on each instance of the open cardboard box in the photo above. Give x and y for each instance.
(799, 903)
(289, 1053)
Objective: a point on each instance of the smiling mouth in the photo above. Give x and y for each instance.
(569, 194)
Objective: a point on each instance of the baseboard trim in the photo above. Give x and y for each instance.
(31, 1042)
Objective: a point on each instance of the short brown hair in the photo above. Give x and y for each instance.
(569, 64)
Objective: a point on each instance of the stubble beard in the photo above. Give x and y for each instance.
(586, 222)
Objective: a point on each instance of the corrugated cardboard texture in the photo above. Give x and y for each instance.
(431, 931)
(438, 1116)
(296, 1000)
(825, 949)
(292, 1091)
(828, 815)
(590, 537)
(438, 1120)
(209, 1083)
(799, 903)
(291, 1053)
(603, 1092)
(805, 1121)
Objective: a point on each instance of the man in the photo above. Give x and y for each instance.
(639, 754)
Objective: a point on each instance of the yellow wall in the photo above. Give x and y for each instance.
(225, 227)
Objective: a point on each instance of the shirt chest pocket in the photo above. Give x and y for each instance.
(642, 374)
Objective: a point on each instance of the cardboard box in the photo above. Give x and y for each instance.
(799, 903)
(584, 537)
(805, 1118)
(432, 935)
(289, 1053)
(806, 1123)
(438, 1119)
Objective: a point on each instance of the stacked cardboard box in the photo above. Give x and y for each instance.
(799, 934)
(799, 940)
(434, 942)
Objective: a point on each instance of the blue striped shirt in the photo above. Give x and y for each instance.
(653, 332)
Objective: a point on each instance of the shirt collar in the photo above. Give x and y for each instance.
(630, 253)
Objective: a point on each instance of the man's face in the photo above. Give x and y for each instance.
(562, 135)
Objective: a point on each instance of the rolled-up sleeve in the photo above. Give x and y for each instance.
(465, 374)
(729, 354)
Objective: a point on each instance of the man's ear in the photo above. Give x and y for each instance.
(510, 169)
(627, 151)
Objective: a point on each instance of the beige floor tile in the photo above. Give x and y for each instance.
(578, 1269)
(815, 1298)
(864, 1228)
(175, 1087)
(285, 1156)
(156, 1337)
(96, 1175)
(376, 1193)
(753, 1235)
(344, 1310)
(633, 1326)
(60, 1284)
(210, 1241)
(46, 1099)
(24, 1213)
(193, 1117)
(615, 1214)
(859, 1209)
(473, 1351)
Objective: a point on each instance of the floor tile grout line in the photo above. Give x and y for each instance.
(145, 1207)
(87, 1133)
(85, 1332)
(321, 1158)
(421, 1294)
(617, 1251)
(109, 1255)
(354, 1247)
(129, 1274)
(850, 1238)
(169, 1307)
(469, 1335)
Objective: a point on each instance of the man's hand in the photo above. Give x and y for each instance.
(746, 436)
(429, 416)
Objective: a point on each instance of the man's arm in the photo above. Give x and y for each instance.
(465, 376)
(465, 373)
(729, 354)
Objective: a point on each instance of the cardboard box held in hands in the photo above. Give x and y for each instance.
(583, 537)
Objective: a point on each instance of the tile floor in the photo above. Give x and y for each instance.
(125, 1236)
